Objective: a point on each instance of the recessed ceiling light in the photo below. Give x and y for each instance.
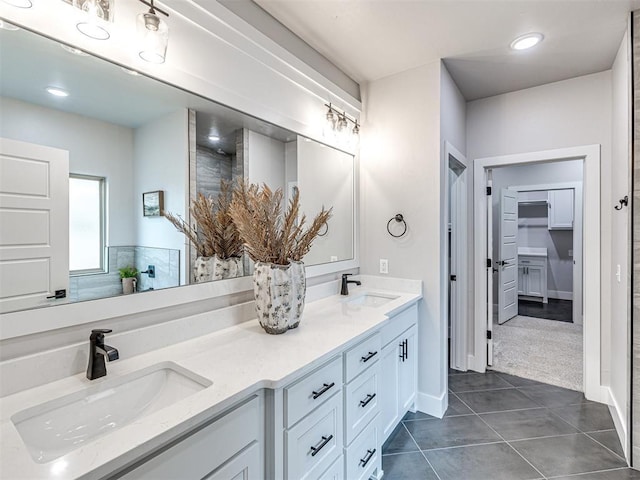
(529, 40)
(20, 3)
(214, 138)
(130, 72)
(4, 25)
(74, 50)
(57, 92)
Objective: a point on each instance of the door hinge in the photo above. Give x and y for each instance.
(452, 278)
(488, 190)
(488, 334)
(59, 294)
(489, 263)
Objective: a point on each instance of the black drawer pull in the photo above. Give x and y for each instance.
(402, 351)
(369, 357)
(325, 387)
(365, 402)
(368, 456)
(325, 440)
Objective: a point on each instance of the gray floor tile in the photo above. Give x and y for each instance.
(523, 424)
(456, 407)
(410, 416)
(621, 474)
(404, 466)
(451, 432)
(399, 441)
(453, 371)
(519, 381)
(497, 400)
(476, 381)
(588, 417)
(481, 462)
(550, 396)
(610, 439)
(555, 456)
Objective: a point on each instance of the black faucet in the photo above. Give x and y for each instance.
(98, 351)
(344, 290)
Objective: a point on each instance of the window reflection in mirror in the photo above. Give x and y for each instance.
(140, 135)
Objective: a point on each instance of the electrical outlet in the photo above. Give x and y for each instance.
(618, 273)
(384, 265)
(151, 271)
(334, 258)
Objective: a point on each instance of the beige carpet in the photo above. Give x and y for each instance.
(544, 350)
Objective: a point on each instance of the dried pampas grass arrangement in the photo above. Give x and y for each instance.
(269, 234)
(214, 232)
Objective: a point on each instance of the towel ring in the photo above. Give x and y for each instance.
(326, 230)
(398, 218)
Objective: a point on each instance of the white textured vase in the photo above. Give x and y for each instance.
(279, 292)
(214, 268)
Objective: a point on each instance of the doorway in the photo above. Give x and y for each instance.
(483, 255)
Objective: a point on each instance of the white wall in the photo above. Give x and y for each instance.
(557, 242)
(620, 239)
(563, 114)
(95, 148)
(161, 149)
(400, 172)
(266, 163)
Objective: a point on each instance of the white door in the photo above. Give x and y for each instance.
(34, 224)
(508, 256)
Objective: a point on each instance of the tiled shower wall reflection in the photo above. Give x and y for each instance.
(167, 272)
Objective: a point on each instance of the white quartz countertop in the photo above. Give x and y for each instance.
(238, 360)
(532, 251)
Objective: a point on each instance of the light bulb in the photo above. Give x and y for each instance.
(529, 40)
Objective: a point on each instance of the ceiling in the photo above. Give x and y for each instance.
(372, 39)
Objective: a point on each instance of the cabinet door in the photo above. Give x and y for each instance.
(245, 466)
(521, 281)
(407, 364)
(389, 388)
(535, 284)
(561, 209)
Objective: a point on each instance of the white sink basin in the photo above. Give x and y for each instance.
(57, 427)
(370, 299)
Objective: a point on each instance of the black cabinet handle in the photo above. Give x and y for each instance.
(402, 350)
(325, 440)
(325, 387)
(367, 457)
(365, 402)
(406, 348)
(369, 357)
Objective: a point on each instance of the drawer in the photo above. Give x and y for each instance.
(361, 402)
(335, 471)
(532, 261)
(202, 452)
(398, 324)
(357, 359)
(312, 390)
(315, 442)
(363, 456)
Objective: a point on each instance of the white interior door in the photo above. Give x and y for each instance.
(34, 224)
(508, 256)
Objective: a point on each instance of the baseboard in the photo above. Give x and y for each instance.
(560, 295)
(619, 423)
(432, 405)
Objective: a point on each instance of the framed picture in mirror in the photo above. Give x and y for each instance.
(153, 204)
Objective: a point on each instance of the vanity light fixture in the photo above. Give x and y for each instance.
(97, 15)
(57, 92)
(214, 138)
(4, 25)
(338, 123)
(153, 34)
(74, 50)
(524, 42)
(19, 3)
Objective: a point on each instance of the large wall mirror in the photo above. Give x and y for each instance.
(136, 148)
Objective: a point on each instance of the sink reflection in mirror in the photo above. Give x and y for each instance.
(128, 135)
(370, 299)
(57, 427)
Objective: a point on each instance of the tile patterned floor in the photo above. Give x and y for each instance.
(500, 427)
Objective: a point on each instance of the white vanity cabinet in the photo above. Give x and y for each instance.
(532, 277)
(230, 447)
(398, 369)
(561, 208)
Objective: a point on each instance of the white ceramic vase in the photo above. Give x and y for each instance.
(129, 285)
(279, 292)
(214, 268)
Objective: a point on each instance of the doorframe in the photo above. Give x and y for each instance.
(460, 251)
(591, 300)
(578, 254)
